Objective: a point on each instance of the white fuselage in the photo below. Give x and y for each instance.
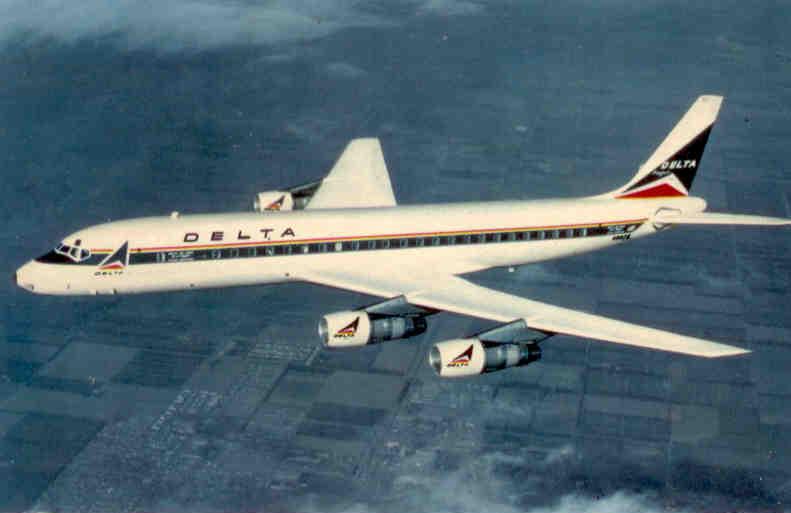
(219, 250)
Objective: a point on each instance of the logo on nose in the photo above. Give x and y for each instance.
(117, 260)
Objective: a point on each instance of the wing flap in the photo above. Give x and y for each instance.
(358, 179)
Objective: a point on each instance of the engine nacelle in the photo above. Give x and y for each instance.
(470, 356)
(273, 201)
(358, 328)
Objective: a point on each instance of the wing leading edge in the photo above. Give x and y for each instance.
(457, 295)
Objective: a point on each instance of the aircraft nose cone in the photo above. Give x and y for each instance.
(22, 277)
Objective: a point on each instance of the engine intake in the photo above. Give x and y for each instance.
(470, 357)
(358, 328)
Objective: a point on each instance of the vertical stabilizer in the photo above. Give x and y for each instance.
(672, 167)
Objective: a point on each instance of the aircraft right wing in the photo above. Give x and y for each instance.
(457, 295)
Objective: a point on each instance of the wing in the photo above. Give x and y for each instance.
(358, 179)
(457, 295)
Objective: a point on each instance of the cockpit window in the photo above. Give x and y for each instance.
(74, 253)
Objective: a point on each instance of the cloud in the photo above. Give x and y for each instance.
(194, 25)
(176, 25)
(344, 70)
(619, 502)
(449, 7)
(422, 482)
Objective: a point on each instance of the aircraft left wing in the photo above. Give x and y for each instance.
(457, 295)
(358, 179)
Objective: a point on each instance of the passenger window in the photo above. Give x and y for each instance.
(215, 253)
(435, 241)
(234, 253)
(404, 242)
(338, 246)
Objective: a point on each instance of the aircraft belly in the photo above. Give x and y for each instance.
(538, 251)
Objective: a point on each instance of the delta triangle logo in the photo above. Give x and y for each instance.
(463, 360)
(349, 330)
(673, 176)
(117, 260)
(659, 184)
(277, 204)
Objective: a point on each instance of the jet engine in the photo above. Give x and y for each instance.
(358, 328)
(273, 201)
(470, 356)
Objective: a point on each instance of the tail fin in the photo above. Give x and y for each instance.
(672, 167)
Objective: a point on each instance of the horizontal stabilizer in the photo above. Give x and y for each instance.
(713, 218)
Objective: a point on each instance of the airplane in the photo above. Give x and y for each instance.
(347, 231)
